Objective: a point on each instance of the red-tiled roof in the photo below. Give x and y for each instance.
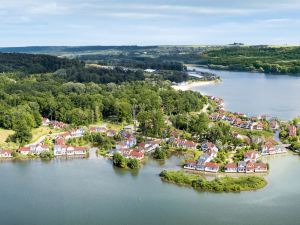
(230, 165)
(211, 165)
(24, 149)
(136, 154)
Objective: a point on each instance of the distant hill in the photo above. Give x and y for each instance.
(266, 59)
(58, 50)
(30, 63)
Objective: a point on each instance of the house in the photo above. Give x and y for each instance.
(66, 135)
(6, 153)
(130, 141)
(231, 168)
(209, 146)
(101, 129)
(241, 167)
(121, 145)
(260, 167)
(274, 125)
(180, 143)
(259, 126)
(58, 125)
(268, 148)
(191, 165)
(77, 133)
(249, 167)
(251, 156)
(24, 150)
(60, 149)
(292, 130)
(64, 150)
(280, 148)
(45, 121)
(59, 141)
(136, 154)
(211, 167)
(39, 148)
(237, 122)
(206, 157)
(111, 133)
(150, 146)
(80, 150)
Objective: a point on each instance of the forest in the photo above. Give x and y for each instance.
(276, 60)
(72, 98)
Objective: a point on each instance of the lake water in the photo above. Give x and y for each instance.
(256, 93)
(91, 191)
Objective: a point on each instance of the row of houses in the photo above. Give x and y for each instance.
(34, 149)
(204, 161)
(248, 165)
(127, 147)
(245, 167)
(182, 143)
(269, 148)
(61, 149)
(103, 130)
(53, 123)
(220, 102)
(237, 122)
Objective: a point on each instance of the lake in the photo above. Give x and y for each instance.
(93, 192)
(256, 93)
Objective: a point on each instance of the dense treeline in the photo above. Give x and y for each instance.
(133, 61)
(100, 75)
(29, 64)
(283, 60)
(24, 100)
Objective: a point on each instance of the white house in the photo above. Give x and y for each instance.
(24, 150)
(5, 153)
(231, 168)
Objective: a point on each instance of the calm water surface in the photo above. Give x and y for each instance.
(257, 93)
(91, 191)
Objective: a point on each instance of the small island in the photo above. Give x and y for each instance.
(223, 184)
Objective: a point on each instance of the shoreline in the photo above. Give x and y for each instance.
(185, 86)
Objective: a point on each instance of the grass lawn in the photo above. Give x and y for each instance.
(41, 131)
(109, 125)
(3, 136)
(261, 133)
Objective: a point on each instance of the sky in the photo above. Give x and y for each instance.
(145, 22)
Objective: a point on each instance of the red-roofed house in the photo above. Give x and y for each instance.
(250, 167)
(5, 153)
(268, 148)
(292, 130)
(24, 150)
(211, 167)
(231, 168)
(136, 154)
(251, 156)
(80, 150)
(260, 167)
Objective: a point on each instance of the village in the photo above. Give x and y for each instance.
(129, 147)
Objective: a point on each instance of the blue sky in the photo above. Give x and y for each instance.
(145, 22)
